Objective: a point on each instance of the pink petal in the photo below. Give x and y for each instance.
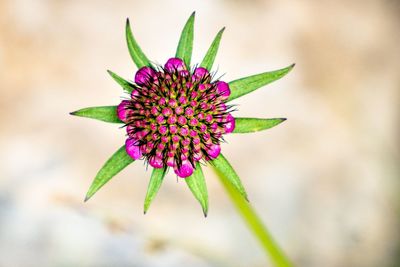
(122, 110)
(230, 124)
(144, 75)
(171, 162)
(184, 73)
(200, 73)
(132, 149)
(134, 93)
(214, 151)
(198, 156)
(185, 170)
(156, 162)
(223, 89)
(174, 64)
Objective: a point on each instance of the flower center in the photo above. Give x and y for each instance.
(175, 117)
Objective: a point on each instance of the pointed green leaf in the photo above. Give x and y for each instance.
(116, 163)
(246, 85)
(157, 176)
(209, 58)
(105, 113)
(124, 83)
(250, 125)
(137, 55)
(197, 185)
(185, 45)
(223, 167)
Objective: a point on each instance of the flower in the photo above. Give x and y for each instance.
(176, 116)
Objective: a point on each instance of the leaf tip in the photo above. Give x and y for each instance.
(111, 73)
(191, 18)
(146, 207)
(73, 113)
(87, 197)
(205, 213)
(280, 120)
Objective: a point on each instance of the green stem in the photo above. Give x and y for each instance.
(277, 256)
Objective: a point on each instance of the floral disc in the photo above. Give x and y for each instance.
(176, 117)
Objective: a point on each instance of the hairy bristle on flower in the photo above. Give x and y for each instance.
(176, 117)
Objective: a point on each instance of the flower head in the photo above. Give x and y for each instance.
(177, 115)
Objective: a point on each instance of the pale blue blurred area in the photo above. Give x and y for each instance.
(325, 182)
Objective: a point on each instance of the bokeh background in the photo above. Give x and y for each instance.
(325, 182)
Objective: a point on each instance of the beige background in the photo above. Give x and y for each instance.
(325, 182)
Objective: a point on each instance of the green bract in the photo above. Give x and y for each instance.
(196, 182)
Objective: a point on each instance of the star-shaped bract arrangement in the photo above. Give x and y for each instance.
(176, 116)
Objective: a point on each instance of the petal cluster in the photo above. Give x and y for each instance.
(176, 117)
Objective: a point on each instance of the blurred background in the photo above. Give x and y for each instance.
(325, 182)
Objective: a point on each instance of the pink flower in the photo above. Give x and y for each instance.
(191, 117)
